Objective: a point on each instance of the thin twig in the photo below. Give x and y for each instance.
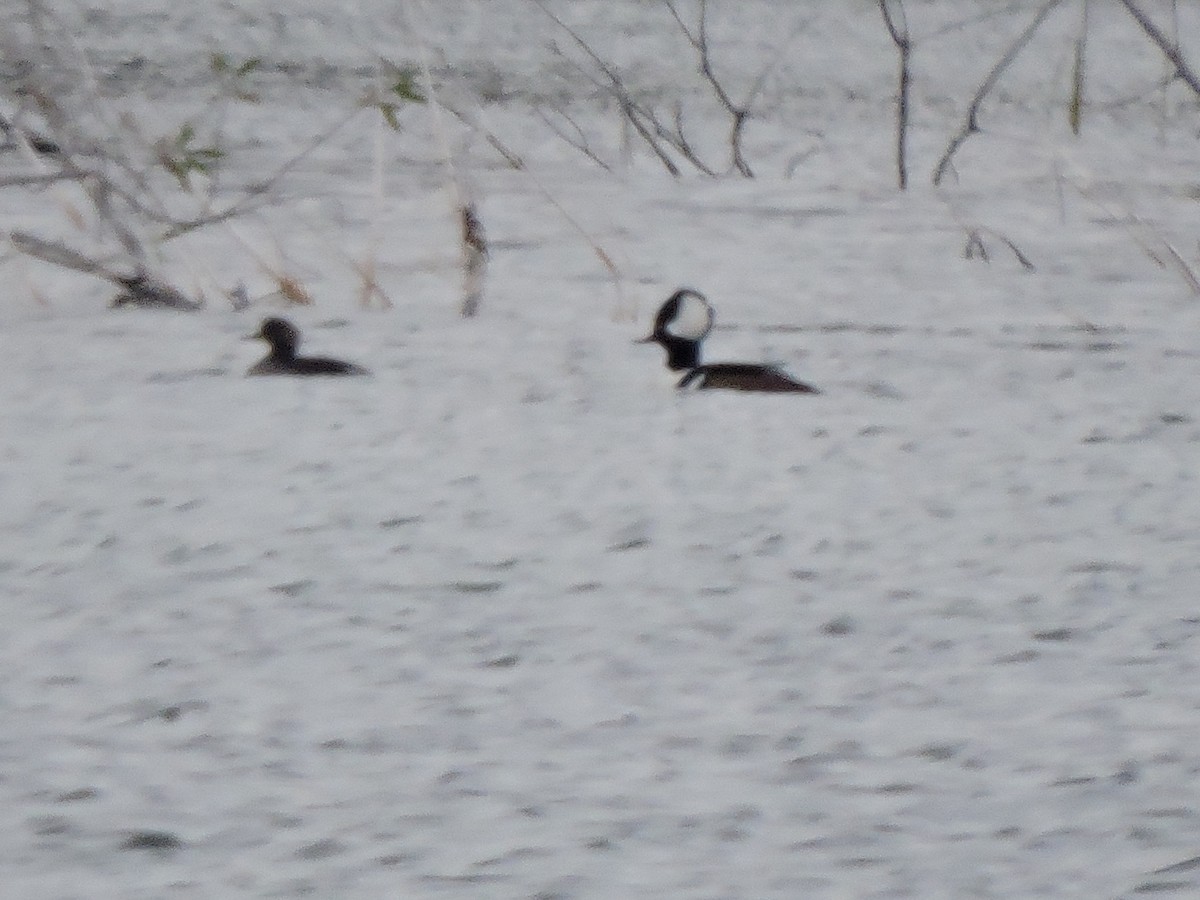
(991, 12)
(119, 183)
(679, 140)
(1139, 229)
(975, 248)
(605, 258)
(287, 285)
(738, 112)
(139, 288)
(669, 141)
(638, 116)
(510, 156)
(970, 125)
(577, 141)
(38, 180)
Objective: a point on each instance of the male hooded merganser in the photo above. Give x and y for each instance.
(682, 323)
(284, 338)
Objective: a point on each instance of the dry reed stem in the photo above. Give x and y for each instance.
(473, 246)
(292, 290)
(474, 258)
(369, 288)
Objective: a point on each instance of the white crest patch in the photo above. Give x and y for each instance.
(693, 318)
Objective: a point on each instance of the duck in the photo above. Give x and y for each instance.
(284, 339)
(682, 323)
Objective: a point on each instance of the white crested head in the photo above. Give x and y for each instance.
(692, 316)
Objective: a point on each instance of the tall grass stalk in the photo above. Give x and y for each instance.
(472, 244)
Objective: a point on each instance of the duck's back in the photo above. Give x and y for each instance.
(306, 365)
(323, 365)
(743, 377)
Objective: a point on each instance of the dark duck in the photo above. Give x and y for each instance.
(683, 322)
(282, 359)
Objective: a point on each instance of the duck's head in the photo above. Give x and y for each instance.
(683, 321)
(282, 335)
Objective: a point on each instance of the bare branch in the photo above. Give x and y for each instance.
(678, 139)
(252, 194)
(139, 288)
(37, 180)
(738, 113)
(970, 125)
(59, 254)
(638, 116)
(990, 12)
(510, 156)
(602, 255)
(118, 169)
(578, 140)
(1169, 48)
(1078, 81)
(667, 140)
(975, 248)
(898, 29)
(27, 138)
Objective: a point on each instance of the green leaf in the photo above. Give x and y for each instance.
(388, 110)
(406, 88)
